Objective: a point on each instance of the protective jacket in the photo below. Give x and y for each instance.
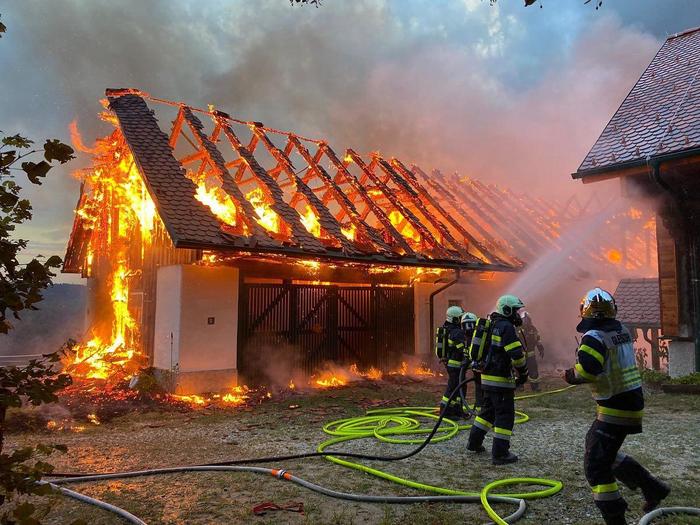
(607, 361)
(497, 350)
(456, 340)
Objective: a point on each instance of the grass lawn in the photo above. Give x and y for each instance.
(550, 445)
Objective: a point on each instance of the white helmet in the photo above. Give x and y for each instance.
(469, 321)
(454, 314)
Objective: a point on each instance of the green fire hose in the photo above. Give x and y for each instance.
(388, 426)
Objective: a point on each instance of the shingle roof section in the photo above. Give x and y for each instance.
(286, 189)
(661, 114)
(638, 302)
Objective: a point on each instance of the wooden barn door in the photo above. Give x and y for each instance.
(286, 327)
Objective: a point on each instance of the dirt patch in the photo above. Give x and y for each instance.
(550, 445)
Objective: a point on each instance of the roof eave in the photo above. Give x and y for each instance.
(630, 168)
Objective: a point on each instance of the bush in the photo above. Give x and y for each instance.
(690, 379)
(654, 377)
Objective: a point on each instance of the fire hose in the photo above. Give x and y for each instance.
(382, 424)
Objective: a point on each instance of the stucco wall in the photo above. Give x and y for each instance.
(196, 327)
(681, 358)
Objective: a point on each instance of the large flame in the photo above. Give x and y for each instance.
(119, 209)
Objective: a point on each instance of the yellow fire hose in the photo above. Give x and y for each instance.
(386, 424)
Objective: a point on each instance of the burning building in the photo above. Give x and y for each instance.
(224, 248)
(652, 144)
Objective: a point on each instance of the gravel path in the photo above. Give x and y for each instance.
(550, 445)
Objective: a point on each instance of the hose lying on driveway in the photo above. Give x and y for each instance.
(383, 424)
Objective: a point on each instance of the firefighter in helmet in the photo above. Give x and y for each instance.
(606, 360)
(530, 337)
(449, 347)
(495, 351)
(469, 321)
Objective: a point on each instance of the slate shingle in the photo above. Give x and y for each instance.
(661, 114)
(638, 302)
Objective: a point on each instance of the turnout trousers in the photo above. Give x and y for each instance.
(498, 414)
(533, 373)
(605, 465)
(455, 406)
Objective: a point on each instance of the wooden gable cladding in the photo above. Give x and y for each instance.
(668, 281)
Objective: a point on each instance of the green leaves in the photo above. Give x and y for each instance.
(57, 150)
(36, 171)
(17, 141)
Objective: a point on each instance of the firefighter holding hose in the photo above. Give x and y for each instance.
(530, 337)
(606, 360)
(450, 344)
(495, 351)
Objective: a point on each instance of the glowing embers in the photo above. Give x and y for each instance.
(349, 231)
(267, 217)
(399, 222)
(237, 396)
(210, 193)
(614, 256)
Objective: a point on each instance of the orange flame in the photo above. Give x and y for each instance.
(267, 217)
(402, 225)
(215, 198)
(310, 222)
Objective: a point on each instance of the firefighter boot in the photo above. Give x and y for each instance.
(634, 475)
(500, 453)
(476, 440)
(615, 519)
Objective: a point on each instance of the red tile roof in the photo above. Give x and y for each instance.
(660, 115)
(638, 302)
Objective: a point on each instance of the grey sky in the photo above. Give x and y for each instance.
(504, 93)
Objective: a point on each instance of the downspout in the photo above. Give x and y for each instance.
(694, 246)
(458, 275)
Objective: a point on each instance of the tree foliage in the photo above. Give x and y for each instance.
(22, 469)
(21, 284)
(20, 289)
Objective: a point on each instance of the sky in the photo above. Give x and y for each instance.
(504, 93)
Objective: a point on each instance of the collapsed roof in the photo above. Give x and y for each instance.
(366, 210)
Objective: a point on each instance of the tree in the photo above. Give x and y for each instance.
(20, 289)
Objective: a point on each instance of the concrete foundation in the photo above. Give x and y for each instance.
(196, 327)
(681, 358)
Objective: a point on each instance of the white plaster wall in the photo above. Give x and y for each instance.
(167, 328)
(208, 292)
(681, 358)
(186, 297)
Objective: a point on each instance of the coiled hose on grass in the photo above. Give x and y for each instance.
(380, 424)
(386, 425)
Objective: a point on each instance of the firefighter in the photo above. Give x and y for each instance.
(530, 337)
(606, 360)
(450, 344)
(495, 351)
(469, 321)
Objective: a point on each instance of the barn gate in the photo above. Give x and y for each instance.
(283, 327)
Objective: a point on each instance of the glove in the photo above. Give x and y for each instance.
(521, 379)
(570, 377)
(540, 348)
